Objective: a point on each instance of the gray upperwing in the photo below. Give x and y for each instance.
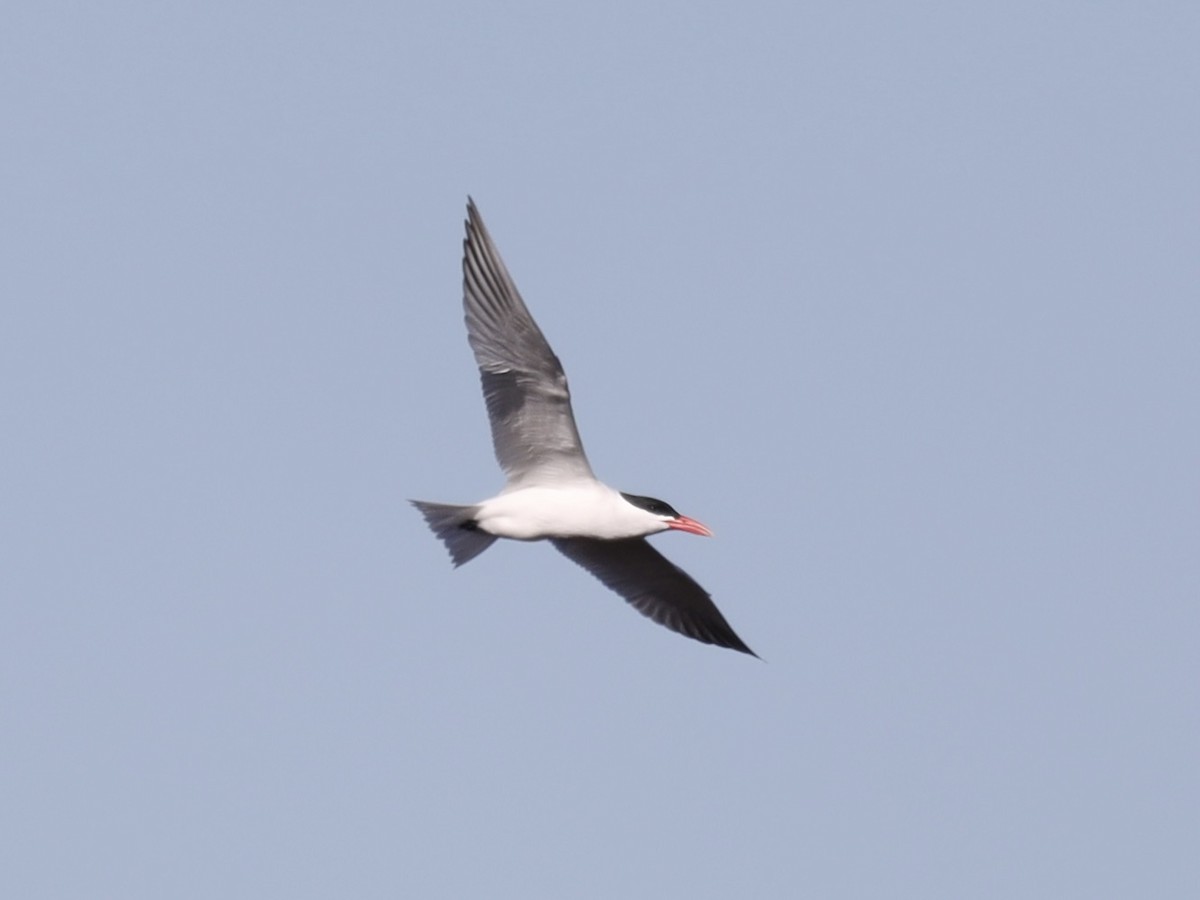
(533, 428)
(655, 587)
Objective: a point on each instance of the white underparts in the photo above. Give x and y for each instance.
(583, 509)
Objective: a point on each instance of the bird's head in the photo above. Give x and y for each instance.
(666, 514)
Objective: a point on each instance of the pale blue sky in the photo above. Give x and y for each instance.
(906, 304)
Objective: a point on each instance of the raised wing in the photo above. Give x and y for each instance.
(655, 587)
(533, 428)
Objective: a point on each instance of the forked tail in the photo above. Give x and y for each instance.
(457, 528)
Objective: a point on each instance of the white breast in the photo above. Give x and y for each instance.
(586, 509)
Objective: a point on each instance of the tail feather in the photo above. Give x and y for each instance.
(456, 527)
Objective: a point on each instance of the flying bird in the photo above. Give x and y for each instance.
(551, 493)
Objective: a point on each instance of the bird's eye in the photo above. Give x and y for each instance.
(651, 505)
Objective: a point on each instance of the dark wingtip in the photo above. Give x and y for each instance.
(741, 647)
(473, 215)
(475, 229)
(718, 634)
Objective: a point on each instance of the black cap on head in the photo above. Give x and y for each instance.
(651, 505)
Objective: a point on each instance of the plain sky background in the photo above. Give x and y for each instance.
(902, 299)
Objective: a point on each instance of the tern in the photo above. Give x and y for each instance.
(551, 493)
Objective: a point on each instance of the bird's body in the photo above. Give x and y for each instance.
(577, 509)
(552, 493)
